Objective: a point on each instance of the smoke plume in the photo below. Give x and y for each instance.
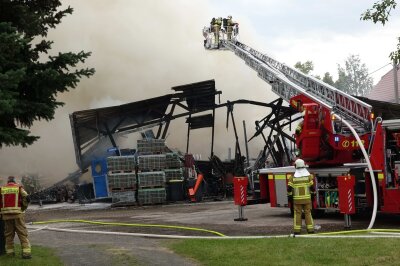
(140, 49)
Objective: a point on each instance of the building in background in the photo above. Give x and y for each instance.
(384, 89)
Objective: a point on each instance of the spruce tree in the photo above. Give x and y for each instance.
(30, 79)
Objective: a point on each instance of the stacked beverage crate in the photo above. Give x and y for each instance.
(173, 167)
(122, 179)
(174, 177)
(151, 146)
(151, 176)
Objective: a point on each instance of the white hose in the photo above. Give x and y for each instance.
(157, 235)
(371, 172)
(215, 237)
(353, 236)
(386, 233)
(37, 229)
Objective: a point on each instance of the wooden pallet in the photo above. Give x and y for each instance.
(122, 171)
(120, 189)
(150, 170)
(149, 187)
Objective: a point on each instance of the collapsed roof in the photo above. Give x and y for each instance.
(90, 128)
(96, 131)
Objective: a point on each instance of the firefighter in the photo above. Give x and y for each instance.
(300, 188)
(217, 29)
(212, 24)
(229, 28)
(13, 203)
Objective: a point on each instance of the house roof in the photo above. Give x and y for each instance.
(384, 89)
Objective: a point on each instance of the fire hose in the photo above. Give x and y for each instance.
(131, 224)
(371, 172)
(378, 233)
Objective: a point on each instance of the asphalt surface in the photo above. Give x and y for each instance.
(97, 249)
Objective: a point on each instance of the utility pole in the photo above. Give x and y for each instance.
(396, 84)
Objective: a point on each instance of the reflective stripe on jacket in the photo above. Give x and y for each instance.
(11, 199)
(300, 188)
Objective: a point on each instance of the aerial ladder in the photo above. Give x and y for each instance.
(336, 129)
(325, 138)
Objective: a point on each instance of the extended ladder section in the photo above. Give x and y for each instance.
(288, 82)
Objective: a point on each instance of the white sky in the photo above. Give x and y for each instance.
(140, 49)
(325, 32)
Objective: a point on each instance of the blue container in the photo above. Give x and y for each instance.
(100, 186)
(99, 167)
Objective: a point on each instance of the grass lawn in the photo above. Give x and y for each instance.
(40, 257)
(291, 251)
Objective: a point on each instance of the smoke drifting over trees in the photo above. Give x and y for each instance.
(140, 49)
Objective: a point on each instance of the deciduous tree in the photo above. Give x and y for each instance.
(306, 67)
(328, 79)
(379, 13)
(353, 78)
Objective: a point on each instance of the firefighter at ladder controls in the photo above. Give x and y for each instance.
(300, 188)
(13, 202)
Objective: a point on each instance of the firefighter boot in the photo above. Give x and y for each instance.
(26, 256)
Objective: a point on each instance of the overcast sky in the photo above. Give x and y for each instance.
(140, 49)
(325, 32)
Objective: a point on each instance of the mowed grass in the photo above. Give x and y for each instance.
(291, 251)
(41, 256)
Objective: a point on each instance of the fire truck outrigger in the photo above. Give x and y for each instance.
(345, 146)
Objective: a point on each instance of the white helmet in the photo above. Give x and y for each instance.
(299, 163)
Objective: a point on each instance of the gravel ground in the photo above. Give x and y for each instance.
(99, 250)
(90, 249)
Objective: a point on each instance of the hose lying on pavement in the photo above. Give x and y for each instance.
(130, 224)
(214, 237)
(385, 233)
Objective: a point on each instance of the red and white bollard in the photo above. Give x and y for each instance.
(240, 195)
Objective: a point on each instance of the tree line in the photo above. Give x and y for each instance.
(353, 77)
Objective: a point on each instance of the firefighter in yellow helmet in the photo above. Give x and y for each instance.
(13, 202)
(217, 29)
(300, 188)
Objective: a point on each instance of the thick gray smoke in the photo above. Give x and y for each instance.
(141, 49)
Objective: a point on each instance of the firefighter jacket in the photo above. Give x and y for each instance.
(230, 22)
(13, 199)
(218, 22)
(300, 188)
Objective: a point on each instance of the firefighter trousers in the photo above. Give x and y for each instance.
(216, 34)
(13, 226)
(298, 209)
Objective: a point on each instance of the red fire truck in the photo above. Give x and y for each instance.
(353, 156)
